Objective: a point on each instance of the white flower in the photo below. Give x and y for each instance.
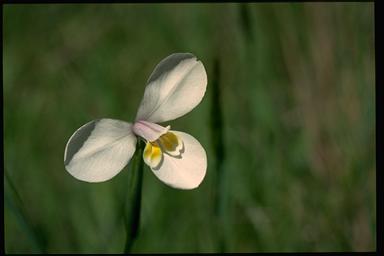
(100, 149)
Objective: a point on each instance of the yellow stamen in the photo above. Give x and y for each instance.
(152, 154)
(170, 143)
(153, 151)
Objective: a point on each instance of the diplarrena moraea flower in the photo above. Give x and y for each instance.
(100, 149)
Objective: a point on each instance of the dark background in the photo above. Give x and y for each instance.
(296, 88)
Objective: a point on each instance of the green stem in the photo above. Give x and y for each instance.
(217, 133)
(133, 202)
(218, 147)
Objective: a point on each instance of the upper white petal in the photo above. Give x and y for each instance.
(99, 150)
(175, 87)
(186, 171)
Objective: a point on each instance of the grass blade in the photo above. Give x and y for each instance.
(14, 202)
(219, 152)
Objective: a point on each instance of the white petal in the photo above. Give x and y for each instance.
(99, 150)
(186, 171)
(175, 87)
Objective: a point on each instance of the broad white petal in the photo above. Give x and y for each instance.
(99, 150)
(186, 171)
(175, 87)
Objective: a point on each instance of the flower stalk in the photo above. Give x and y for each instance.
(133, 202)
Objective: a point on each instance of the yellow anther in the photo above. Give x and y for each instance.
(170, 143)
(152, 154)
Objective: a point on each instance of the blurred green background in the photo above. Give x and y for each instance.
(296, 87)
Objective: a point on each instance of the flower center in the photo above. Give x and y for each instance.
(167, 143)
(149, 131)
